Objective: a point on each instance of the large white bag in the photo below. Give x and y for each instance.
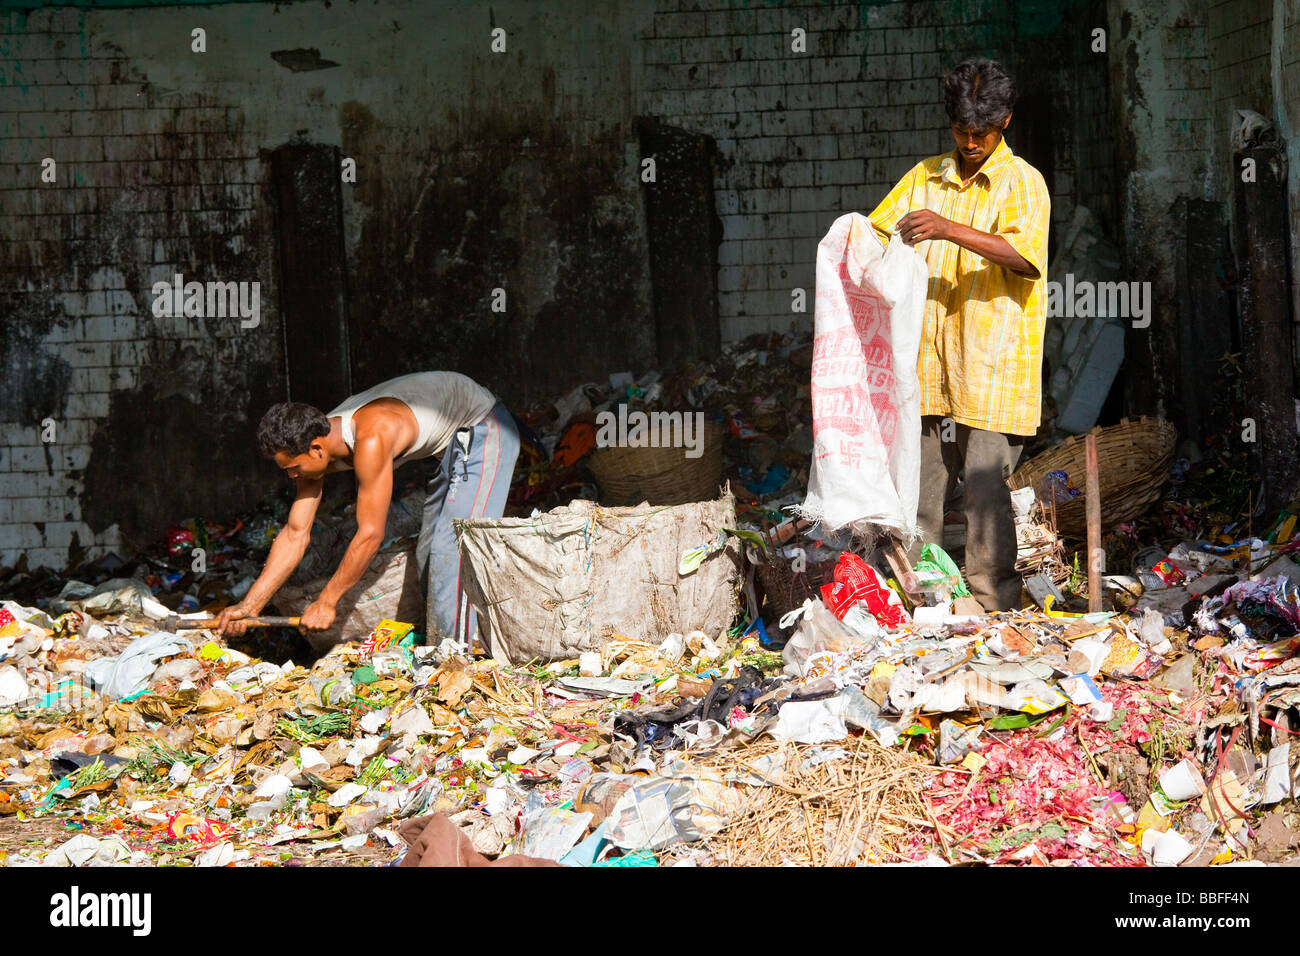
(866, 403)
(555, 585)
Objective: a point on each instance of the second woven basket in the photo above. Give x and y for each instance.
(1133, 461)
(659, 476)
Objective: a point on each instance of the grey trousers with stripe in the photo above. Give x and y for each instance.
(473, 482)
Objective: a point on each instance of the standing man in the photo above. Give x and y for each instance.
(979, 217)
(373, 433)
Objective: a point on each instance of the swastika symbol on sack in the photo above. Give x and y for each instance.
(851, 454)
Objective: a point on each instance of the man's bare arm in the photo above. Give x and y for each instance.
(373, 463)
(286, 553)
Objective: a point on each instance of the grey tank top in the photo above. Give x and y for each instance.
(442, 402)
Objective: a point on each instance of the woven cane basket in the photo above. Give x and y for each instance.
(659, 476)
(787, 589)
(1133, 461)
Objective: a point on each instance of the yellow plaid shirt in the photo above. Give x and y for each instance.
(981, 356)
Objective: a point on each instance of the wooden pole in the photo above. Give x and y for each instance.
(1264, 304)
(1093, 491)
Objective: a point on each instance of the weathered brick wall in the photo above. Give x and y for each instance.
(1287, 35)
(147, 183)
(803, 137)
(1066, 71)
(807, 137)
(1180, 72)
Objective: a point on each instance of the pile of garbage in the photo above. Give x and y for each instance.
(750, 388)
(894, 725)
(854, 712)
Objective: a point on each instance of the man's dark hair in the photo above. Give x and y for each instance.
(978, 94)
(290, 427)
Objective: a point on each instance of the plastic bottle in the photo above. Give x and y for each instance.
(933, 584)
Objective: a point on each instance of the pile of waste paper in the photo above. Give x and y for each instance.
(855, 711)
(892, 726)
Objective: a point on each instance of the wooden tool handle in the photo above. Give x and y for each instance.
(250, 621)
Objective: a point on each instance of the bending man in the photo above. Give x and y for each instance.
(373, 433)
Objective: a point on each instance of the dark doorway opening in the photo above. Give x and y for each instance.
(306, 190)
(684, 232)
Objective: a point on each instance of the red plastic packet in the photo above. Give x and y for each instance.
(855, 580)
